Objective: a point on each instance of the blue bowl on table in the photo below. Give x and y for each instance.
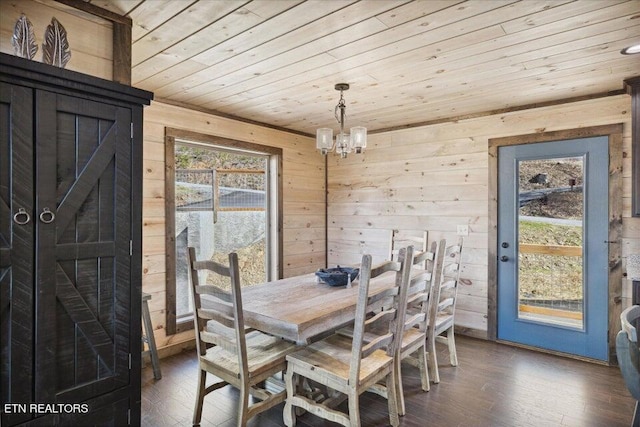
(338, 276)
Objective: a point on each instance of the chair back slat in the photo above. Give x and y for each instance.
(388, 321)
(380, 318)
(214, 291)
(417, 299)
(379, 342)
(448, 284)
(382, 298)
(222, 310)
(444, 304)
(228, 344)
(423, 256)
(212, 266)
(217, 316)
(414, 320)
(385, 267)
(420, 278)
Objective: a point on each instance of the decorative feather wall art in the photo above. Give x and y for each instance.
(55, 49)
(24, 39)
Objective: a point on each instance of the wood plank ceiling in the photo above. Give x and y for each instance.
(408, 62)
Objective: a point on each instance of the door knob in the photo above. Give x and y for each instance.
(504, 258)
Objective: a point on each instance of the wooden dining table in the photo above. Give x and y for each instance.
(300, 308)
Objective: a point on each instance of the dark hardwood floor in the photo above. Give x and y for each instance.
(494, 385)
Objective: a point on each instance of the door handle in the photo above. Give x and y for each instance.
(21, 217)
(46, 216)
(504, 258)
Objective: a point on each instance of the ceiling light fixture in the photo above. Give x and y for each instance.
(345, 143)
(631, 50)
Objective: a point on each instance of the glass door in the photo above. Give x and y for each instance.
(553, 251)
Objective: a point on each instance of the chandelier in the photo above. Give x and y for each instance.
(345, 143)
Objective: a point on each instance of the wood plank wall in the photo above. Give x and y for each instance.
(435, 178)
(90, 38)
(303, 197)
(431, 177)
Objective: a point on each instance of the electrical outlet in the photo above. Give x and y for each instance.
(463, 230)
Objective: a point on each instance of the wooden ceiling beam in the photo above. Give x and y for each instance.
(121, 37)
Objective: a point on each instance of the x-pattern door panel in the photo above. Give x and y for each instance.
(87, 193)
(16, 248)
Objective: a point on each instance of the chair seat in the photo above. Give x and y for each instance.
(264, 352)
(331, 357)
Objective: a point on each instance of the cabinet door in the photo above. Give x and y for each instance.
(16, 248)
(83, 275)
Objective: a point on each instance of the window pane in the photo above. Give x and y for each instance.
(221, 207)
(550, 230)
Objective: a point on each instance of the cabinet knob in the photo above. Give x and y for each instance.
(21, 217)
(46, 216)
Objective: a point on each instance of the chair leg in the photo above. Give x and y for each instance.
(392, 399)
(431, 342)
(424, 369)
(197, 413)
(636, 416)
(399, 386)
(451, 341)
(243, 404)
(354, 405)
(151, 340)
(289, 413)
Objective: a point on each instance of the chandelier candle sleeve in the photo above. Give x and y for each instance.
(324, 140)
(359, 138)
(343, 144)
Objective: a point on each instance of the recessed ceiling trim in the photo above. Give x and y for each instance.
(230, 116)
(408, 125)
(502, 111)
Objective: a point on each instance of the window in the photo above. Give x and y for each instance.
(222, 196)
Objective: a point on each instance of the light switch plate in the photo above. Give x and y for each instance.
(463, 230)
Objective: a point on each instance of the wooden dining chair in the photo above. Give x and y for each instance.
(442, 308)
(351, 365)
(413, 345)
(628, 355)
(241, 358)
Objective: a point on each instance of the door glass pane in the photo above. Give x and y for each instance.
(221, 207)
(550, 230)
